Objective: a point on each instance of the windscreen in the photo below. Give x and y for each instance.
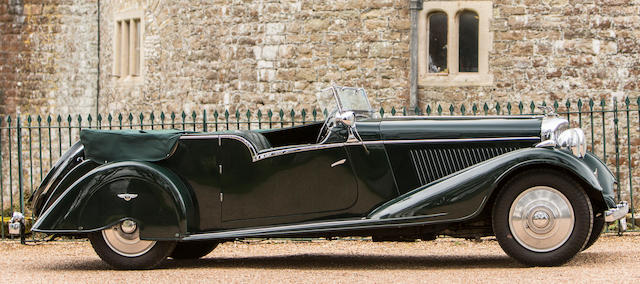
(353, 99)
(326, 100)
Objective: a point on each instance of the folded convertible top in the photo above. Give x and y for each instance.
(104, 146)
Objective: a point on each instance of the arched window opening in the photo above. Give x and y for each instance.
(437, 43)
(468, 42)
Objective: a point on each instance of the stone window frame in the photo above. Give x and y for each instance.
(122, 55)
(484, 9)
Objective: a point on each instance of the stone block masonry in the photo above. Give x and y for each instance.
(48, 56)
(557, 50)
(276, 54)
(259, 54)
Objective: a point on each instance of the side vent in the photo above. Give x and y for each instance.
(434, 163)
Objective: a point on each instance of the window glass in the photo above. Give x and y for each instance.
(438, 43)
(353, 99)
(468, 42)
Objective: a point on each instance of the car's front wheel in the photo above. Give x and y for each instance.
(542, 218)
(596, 231)
(121, 247)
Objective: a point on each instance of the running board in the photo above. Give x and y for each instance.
(326, 226)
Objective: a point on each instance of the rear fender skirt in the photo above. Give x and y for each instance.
(78, 172)
(66, 164)
(464, 194)
(152, 196)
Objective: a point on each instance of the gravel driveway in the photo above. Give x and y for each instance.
(611, 259)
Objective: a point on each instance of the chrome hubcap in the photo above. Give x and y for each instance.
(541, 219)
(124, 239)
(128, 226)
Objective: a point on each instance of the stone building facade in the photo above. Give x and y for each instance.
(271, 54)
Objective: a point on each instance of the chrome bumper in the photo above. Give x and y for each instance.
(618, 213)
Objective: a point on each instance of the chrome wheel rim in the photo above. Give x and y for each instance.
(124, 239)
(541, 219)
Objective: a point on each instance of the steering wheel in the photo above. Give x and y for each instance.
(325, 130)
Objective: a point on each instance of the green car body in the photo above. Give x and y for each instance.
(403, 177)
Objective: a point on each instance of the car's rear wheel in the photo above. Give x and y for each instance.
(192, 250)
(542, 218)
(121, 247)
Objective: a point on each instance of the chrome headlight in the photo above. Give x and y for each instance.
(573, 139)
(555, 132)
(552, 127)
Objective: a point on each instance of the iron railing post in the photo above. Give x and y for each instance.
(1, 185)
(629, 163)
(617, 151)
(20, 175)
(10, 158)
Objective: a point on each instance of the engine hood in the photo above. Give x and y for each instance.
(425, 127)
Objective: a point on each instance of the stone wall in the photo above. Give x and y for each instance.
(259, 54)
(558, 50)
(48, 56)
(272, 54)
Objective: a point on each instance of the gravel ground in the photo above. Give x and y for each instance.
(611, 259)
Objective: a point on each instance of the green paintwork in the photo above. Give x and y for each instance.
(464, 194)
(221, 185)
(284, 188)
(69, 179)
(163, 207)
(409, 128)
(103, 146)
(605, 177)
(49, 186)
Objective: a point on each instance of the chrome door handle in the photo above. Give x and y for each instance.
(337, 163)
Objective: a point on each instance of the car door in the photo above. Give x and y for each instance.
(295, 184)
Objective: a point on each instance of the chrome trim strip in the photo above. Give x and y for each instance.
(457, 140)
(338, 225)
(246, 142)
(546, 143)
(257, 156)
(468, 117)
(274, 153)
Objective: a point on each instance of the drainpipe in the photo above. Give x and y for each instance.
(414, 8)
(98, 79)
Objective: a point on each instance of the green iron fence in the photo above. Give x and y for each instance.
(30, 145)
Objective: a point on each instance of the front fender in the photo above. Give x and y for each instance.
(162, 207)
(464, 194)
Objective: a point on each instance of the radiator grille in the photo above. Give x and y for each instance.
(434, 163)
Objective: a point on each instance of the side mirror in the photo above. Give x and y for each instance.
(347, 118)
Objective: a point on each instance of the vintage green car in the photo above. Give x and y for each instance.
(142, 196)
